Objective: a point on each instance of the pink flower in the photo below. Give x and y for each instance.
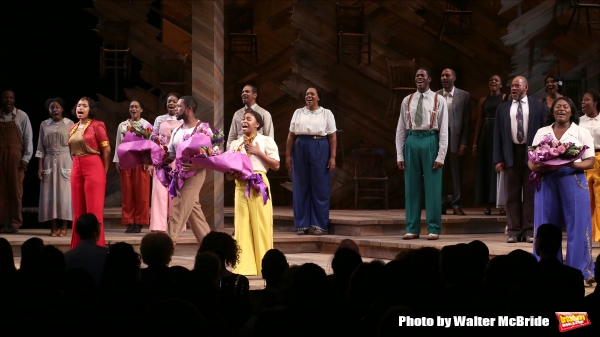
(561, 149)
(546, 147)
(553, 152)
(555, 143)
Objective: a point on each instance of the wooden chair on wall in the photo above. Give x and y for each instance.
(242, 39)
(115, 53)
(402, 79)
(171, 68)
(448, 9)
(578, 6)
(369, 166)
(351, 35)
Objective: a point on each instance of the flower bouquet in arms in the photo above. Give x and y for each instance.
(139, 141)
(552, 154)
(202, 139)
(236, 163)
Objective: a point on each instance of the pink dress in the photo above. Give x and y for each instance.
(161, 201)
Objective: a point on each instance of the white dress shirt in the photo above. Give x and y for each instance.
(513, 119)
(267, 146)
(577, 135)
(440, 123)
(121, 129)
(593, 126)
(448, 96)
(24, 127)
(318, 122)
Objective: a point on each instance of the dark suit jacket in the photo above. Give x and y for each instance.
(461, 119)
(503, 144)
(89, 256)
(565, 283)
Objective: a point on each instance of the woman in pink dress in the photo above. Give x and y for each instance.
(161, 201)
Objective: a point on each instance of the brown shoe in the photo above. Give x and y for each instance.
(409, 236)
(433, 237)
(54, 233)
(458, 211)
(63, 232)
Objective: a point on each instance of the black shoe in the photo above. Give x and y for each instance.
(129, 229)
(12, 230)
(302, 232)
(136, 228)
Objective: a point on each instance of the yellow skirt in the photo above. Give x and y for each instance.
(253, 221)
(593, 179)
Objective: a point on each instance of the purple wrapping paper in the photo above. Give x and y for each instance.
(132, 148)
(185, 151)
(554, 164)
(227, 162)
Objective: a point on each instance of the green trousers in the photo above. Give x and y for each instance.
(420, 151)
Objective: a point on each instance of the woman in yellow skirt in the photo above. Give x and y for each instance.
(253, 219)
(590, 105)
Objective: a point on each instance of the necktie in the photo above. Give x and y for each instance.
(419, 114)
(520, 130)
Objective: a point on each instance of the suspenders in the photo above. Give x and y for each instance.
(433, 114)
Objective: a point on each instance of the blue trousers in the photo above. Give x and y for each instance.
(311, 181)
(564, 195)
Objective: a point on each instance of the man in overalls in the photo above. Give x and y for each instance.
(421, 144)
(16, 148)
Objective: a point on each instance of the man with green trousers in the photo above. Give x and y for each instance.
(421, 144)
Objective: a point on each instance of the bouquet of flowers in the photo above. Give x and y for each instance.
(229, 162)
(554, 154)
(203, 139)
(140, 139)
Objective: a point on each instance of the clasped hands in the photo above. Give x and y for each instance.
(436, 165)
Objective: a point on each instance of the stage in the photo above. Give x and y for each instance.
(378, 234)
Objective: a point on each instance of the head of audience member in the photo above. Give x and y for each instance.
(349, 243)
(456, 268)
(518, 88)
(8, 100)
(423, 79)
(31, 250)
(249, 94)
(496, 83)
(548, 239)
(480, 256)
(524, 265)
(136, 108)
(53, 268)
(170, 102)
(366, 285)
(7, 261)
(312, 96)
(186, 108)
(86, 108)
(180, 284)
(286, 285)
(274, 264)
(121, 267)
(157, 249)
(590, 103)
(224, 246)
(310, 284)
(88, 227)
(448, 79)
(210, 263)
(55, 107)
(554, 84)
(564, 111)
(344, 263)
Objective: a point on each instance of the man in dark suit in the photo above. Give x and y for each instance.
(88, 255)
(517, 121)
(459, 117)
(564, 283)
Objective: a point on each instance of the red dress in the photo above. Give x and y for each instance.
(88, 176)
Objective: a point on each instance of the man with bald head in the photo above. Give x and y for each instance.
(517, 121)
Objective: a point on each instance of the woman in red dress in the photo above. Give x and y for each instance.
(90, 149)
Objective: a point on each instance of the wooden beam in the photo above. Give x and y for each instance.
(508, 4)
(208, 74)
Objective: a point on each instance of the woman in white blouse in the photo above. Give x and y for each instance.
(590, 104)
(310, 155)
(563, 193)
(253, 219)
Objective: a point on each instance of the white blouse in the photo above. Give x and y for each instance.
(266, 144)
(575, 134)
(593, 126)
(318, 122)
